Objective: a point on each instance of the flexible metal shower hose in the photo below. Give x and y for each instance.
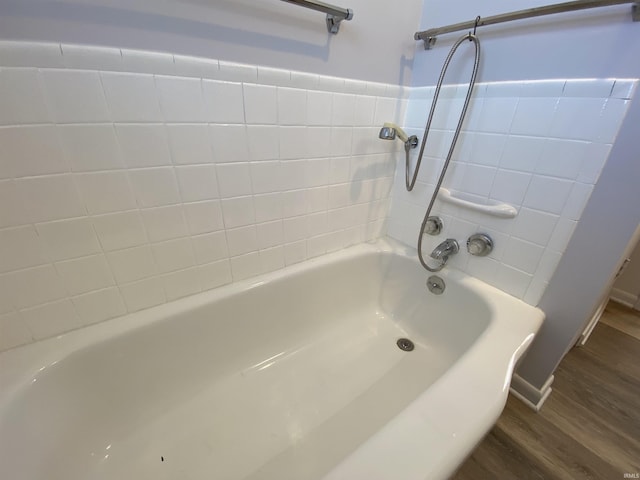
(463, 112)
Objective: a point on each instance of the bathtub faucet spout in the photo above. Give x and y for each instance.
(443, 251)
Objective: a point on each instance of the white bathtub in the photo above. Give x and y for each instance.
(294, 375)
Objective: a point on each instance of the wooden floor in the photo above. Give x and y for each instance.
(589, 428)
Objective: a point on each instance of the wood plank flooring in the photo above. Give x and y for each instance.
(589, 428)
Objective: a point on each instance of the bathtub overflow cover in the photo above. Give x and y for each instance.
(405, 344)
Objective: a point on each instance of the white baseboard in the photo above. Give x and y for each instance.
(531, 396)
(625, 298)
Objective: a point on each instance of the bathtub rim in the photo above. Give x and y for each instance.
(392, 450)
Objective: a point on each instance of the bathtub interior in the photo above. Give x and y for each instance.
(280, 381)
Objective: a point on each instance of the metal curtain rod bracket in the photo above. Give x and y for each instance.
(429, 36)
(335, 15)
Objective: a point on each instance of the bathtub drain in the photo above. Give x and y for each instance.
(405, 344)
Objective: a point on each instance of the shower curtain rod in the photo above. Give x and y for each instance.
(335, 15)
(429, 36)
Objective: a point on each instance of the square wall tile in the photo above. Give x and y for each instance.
(85, 274)
(270, 234)
(224, 101)
(91, 147)
(562, 158)
(21, 247)
(271, 259)
(13, 331)
(75, 96)
(292, 106)
(182, 283)
(295, 252)
(234, 179)
(245, 266)
(293, 142)
(173, 255)
(105, 192)
(365, 110)
(120, 230)
(238, 212)
(588, 110)
(215, 274)
(11, 211)
(131, 97)
(512, 280)
(100, 305)
(189, 144)
(35, 286)
(229, 143)
(343, 110)
(242, 240)
(340, 143)
(268, 207)
(144, 145)
(181, 99)
(143, 294)
(497, 114)
(132, 264)
(294, 203)
(263, 142)
(203, 217)
(522, 255)
(164, 223)
(319, 105)
(69, 238)
(534, 226)
(547, 194)
(197, 182)
(510, 186)
(51, 197)
(30, 151)
(210, 247)
(260, 104)
(51, 319)
(522, 153)
(533, 116)
(21, 98)
(478, 180)
(154, 187)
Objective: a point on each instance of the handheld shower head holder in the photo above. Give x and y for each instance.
(389, 131)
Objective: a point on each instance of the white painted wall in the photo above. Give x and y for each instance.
(597, 43)
(376, 45)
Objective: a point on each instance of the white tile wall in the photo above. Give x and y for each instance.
(539, 146)
(132, 178)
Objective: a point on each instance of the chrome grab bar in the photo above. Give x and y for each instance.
(429, 36)
(335, 15)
